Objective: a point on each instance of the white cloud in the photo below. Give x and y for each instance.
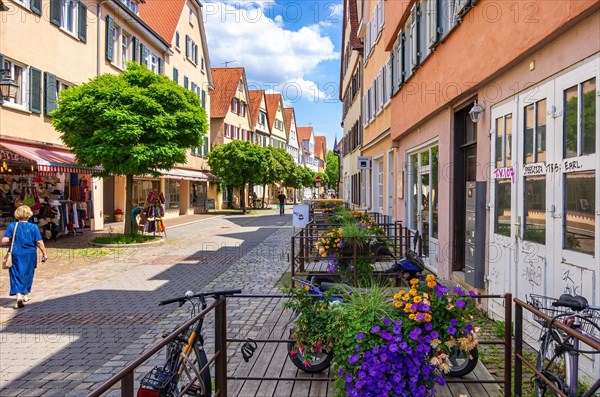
(248, 32)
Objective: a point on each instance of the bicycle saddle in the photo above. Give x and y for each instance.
(577, 303)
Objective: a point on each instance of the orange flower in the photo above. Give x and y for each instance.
(430, 277)
(417, 299)
(414, 281)
(428, 317)
(306, 287)
(431, 284)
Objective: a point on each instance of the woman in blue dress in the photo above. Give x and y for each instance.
(24, 253)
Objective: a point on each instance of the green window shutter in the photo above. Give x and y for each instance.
(186, 82)
(82, 14)
(36, 6)
(196, 54)
(204, 99)
(143, 55)
(49, 93)
(194, 150)
(110, 28)
(35, 90)
(1, 67)
(177, 39)
(176, 75)
(205, 147)
(135, 46)
(160, 65)
(55, 12)
(187, 46)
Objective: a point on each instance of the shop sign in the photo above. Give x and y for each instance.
(505, 173)
(534, 169)
(583, 163)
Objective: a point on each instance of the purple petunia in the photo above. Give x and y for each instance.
(460, 303)
(387, 322)
(354, 359)
(414, 334)
(428, 326)
(453, 322)
(473, 294)
(360, 336)
(375, 329)
(451, 330)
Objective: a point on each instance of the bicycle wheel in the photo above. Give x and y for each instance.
(197, 384)
(551, 363)
(461, 362)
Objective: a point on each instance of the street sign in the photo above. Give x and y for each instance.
(318, 180)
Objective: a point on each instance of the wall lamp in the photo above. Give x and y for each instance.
(8, 87)
(476, 111)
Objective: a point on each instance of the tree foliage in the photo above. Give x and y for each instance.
(135, 123)
(237, 164)
(332, 170)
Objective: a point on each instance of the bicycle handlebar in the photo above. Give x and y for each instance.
(201, 294)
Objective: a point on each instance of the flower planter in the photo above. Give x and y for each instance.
(118, 217)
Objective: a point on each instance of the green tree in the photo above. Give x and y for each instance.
(277, 165)
(135, 123)
(293, 178)
(332, 170)
(236, 164)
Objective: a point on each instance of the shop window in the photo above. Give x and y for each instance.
(503, 141)
(580, 219)
(580, 115)
(173, 193)
(198, 193)
(535, 209)
(141, 188)
(503, 210)
(535, 132)
(434, 188)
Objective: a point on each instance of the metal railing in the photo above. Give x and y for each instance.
(127, 375)
(519, 359)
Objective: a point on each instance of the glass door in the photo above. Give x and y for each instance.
(423, 204)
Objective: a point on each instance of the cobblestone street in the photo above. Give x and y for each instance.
(85, 325)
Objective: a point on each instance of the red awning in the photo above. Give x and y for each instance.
(46, 159)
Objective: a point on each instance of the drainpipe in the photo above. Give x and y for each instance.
(99, 36)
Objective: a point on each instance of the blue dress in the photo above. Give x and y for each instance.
(24, 256)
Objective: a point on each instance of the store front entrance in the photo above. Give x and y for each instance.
(544, 217)
(422, 179)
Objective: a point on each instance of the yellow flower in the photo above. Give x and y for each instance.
(430, 277)
(417, 299)
(398, 305)
(431, 284)
(411, 316)
(397, 296)
(406, 297)
(306, 287)
(414, 281)
(408, 308)
(402, 292)
(413, 292)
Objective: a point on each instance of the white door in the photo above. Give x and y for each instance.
(378, 186)
(576, 189)
(503, 246)
(422, 198)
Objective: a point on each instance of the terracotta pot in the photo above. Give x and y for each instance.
(118, 217)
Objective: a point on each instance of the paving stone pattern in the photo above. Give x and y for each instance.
(87, 325)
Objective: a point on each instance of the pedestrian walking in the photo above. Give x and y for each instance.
(24, 238)
(281, 198)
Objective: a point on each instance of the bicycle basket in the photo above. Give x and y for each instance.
(157, 379)
(544, 305)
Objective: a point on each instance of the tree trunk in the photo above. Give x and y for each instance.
(128, 207)
(243, 198)
(264, 192)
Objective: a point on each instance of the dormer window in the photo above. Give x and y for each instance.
(132, 5)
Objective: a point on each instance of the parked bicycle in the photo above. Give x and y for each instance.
(461, 363)
(186, 371)
(558, 353)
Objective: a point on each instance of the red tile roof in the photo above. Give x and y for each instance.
(304, 133)
(289, 115)
(273, 101)
(320, 144)
(162, 16)
(226, 84)
(256, 97)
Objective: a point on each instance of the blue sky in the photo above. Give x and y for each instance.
(291, 47)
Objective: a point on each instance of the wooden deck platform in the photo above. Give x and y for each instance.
(271, 360)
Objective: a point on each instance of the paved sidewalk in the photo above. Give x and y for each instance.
(91, 320)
